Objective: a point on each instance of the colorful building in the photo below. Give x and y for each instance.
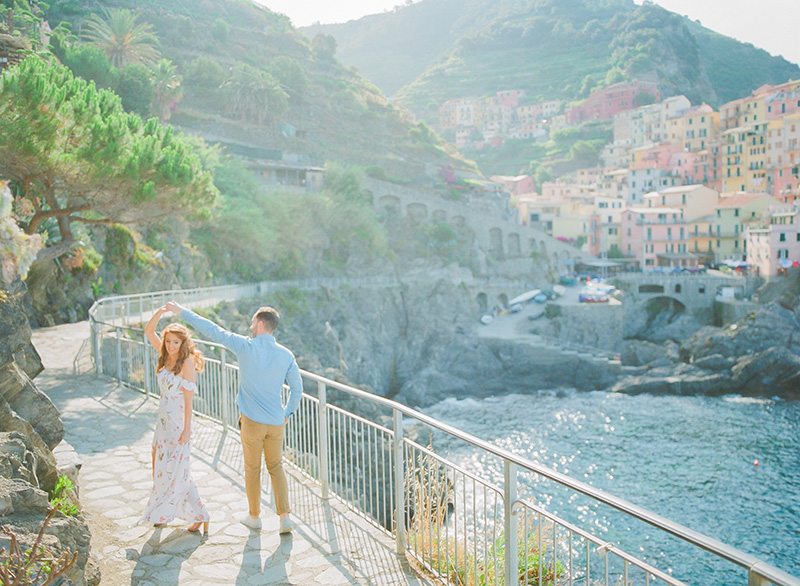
(733, 214)
(604, 103)
(774, 246)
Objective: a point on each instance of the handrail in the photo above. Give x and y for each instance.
(760, 572)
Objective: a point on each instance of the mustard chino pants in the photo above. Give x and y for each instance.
(258, 438)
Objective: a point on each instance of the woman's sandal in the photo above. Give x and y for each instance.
(195, 527)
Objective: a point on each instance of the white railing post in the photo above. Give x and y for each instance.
(98, 368)
(119, 355)
(147, 365)
(399, 484)
(223, 377)
(322, 421)
(510, 522)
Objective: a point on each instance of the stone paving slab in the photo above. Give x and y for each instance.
(110, 427)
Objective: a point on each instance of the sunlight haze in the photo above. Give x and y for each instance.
(771, 27)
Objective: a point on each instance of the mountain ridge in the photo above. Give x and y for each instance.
(552, 47)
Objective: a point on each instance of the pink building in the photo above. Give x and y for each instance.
(656, 238)
(775, 247)
(603, 104)
(509, 98)
(786, 184)
(783, 102)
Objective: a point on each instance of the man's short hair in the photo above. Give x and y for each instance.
(269, 317)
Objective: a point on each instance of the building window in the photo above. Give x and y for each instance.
(782, 237)
(701, 289)
(783, 253)
(736, 212)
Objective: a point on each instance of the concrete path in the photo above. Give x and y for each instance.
(110, 427)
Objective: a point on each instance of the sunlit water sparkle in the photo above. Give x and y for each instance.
(689, 459)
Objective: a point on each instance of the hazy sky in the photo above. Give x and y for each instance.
(769, 24)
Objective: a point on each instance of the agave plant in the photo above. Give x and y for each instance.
(121, 38)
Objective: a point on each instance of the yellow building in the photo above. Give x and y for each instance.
(743, 159)
(701, 235)
(694, 128)
(733, 213)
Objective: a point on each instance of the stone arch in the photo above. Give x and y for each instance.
(565, 256)
(439, 216)
(651, 288)
(502, 300)
(389, 204)
(543, 246)
(533, 245)
(368, 196)
(496, 243)
(656, 305)
(513, 245)
(483, 302)
(554, 259)
(458, 221)
(417, 211)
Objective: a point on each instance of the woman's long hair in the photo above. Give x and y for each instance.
(187, 347)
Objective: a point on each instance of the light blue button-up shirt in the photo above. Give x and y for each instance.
(264, 365)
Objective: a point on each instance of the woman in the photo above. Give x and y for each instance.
(174, 490)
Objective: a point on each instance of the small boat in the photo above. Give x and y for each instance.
(559, 290)
(540, 298)
(517, 307)
(527, 296)
(487, 319)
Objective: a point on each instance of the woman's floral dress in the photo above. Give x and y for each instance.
(174, 493)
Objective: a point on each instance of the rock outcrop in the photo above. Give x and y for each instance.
(30, 428)
(757, 356)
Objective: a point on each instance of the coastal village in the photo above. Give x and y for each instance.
(681, 187)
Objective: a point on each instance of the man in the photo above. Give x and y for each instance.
(264, 365)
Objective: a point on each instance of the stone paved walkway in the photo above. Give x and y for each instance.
(110, 427)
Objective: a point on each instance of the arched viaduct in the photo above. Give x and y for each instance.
(693, 293)
(494, 228)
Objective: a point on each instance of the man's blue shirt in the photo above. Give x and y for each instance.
(264, 365)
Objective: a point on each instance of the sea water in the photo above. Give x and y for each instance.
(727, 467)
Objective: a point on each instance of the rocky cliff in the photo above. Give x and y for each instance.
(416, 343)
(30, 429)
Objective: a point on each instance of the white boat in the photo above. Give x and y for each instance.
(487, 319)
(527, 296)
(559, 290)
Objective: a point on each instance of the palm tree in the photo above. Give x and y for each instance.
(167, 88)
(121, 38)
(255, 96)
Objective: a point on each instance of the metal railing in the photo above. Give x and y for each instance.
(456, 522)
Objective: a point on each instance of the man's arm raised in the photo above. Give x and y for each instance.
(208, 328)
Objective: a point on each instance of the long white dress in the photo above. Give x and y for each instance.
(174, 493)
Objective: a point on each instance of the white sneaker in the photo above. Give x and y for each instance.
(286, 526)
(248, 521)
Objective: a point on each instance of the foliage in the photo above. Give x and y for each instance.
(220, 30)
(255, 95)
(37, 565)
(289, 73)
(135, 89)
(324, 47)
(167, 90)
(205, 73)
(17, 249)
(80, 158)
(90, 63)
(60, 499)
(122, 38)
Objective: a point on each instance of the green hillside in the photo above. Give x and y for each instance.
(551, 49)
(221, 45)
